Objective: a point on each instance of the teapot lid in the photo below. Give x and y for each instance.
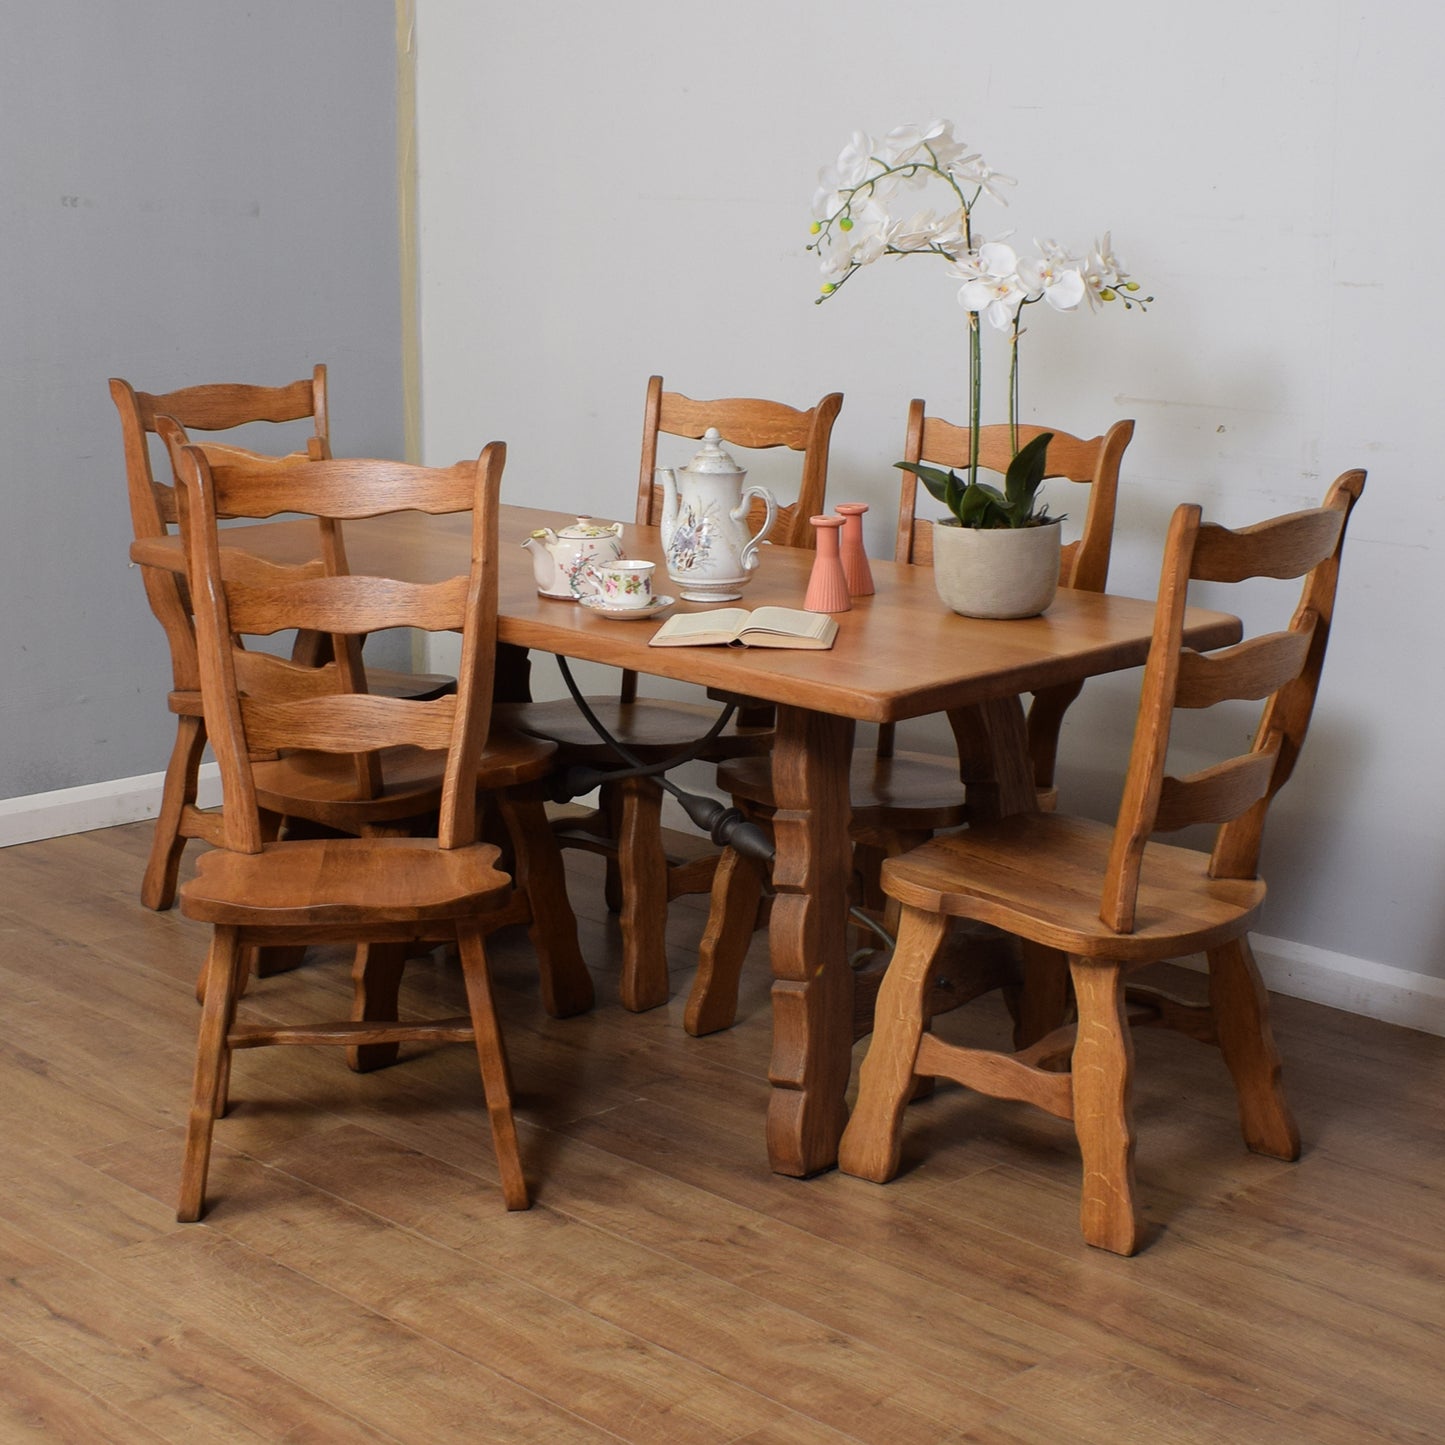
(712, 458)
(586, 527)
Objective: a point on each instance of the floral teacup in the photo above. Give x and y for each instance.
(626, 584)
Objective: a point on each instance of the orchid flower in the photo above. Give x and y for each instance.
(1054, 276)
(992, 285)
(853, 225)
(926, 230)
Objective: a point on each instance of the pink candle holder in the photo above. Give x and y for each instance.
(855, 559)
(828, 585)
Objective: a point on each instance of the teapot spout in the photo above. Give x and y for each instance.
(540, 545)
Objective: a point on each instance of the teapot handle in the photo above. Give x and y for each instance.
(750, 557)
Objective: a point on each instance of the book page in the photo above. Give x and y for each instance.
(791, 621)
(698, 628)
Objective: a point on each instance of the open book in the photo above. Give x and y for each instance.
(737, 627)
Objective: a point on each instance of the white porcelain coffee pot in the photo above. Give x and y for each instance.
(710, 552)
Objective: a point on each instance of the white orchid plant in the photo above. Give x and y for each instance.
(859, 216)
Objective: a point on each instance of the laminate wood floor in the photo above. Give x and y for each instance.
(357, 1278)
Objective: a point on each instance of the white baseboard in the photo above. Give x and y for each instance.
(94, 805)
(1357, 985)
(1377, 990)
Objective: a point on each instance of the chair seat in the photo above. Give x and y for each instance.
(924, 786)
(418, 686)
(323, 788)
(344, 883)
(653, 728)
(1041, 875)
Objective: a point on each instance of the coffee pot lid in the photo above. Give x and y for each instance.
(713, 458)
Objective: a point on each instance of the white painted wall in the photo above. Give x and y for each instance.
(608, 191)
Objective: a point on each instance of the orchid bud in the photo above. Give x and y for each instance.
(815, 228)
(828, 288)
(1107, 295)
(846, 224)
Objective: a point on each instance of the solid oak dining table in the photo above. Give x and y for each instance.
(899, 654)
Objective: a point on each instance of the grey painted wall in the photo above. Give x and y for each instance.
(192, 190)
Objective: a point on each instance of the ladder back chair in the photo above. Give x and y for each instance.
(1096, 903)
(256, 891)
(627, 828)
(153, 509)
(901, 798)
(396, 791)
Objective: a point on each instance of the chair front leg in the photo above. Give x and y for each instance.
(732, 917)
(1103, 1068)
(872, 1142)
(224, 974)
(1240, 1006)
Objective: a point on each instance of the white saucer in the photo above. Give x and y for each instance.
(658, 605)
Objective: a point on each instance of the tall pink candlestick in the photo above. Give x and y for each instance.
(828, 586)
(855, 559)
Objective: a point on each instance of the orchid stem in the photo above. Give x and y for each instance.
(975, 395)
(1013, 388)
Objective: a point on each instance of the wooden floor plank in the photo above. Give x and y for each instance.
(38, 1403)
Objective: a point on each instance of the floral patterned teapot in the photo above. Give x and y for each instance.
(557, 557)
(710, 552)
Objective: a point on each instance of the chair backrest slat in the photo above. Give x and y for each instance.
(1284, 547)
(342, 490)
(255, 706)
(217, 407)
(348, 723)
(1282, 668)
(1215, 794)
(349, 606)
(1248, 672)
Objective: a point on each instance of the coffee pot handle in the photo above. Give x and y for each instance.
(750, 557)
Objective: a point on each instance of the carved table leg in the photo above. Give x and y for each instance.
(993, 752)
(812, 986)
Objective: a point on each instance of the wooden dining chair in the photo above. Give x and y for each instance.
(398, 790)
(386, 891)
(1095, 903)
(901, 797)
(153, 509)
(627, 827)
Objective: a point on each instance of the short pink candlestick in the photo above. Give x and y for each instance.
(828, 585)
(855, 559)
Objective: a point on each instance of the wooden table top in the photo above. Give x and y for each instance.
(900, 653)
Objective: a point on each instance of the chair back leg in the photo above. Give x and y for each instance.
(492, 1060)
(1240, 1008)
